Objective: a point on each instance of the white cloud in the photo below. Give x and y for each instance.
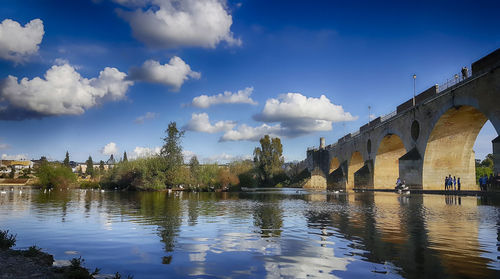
(292, 106)
(14, 157)
(148, 115)
(62, 91)
(240, 97)
(187, 155)
(224, 158)
(201, 123)
(4, 146)
(173, 74)
(110, 149)
(17, 43)
(177, 23)
(245, 132)
(140, 152)
(296, 115)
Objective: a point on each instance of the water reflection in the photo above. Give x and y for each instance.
(263, 234)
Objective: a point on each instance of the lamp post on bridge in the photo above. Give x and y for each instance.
(369, 114)
(414, 83)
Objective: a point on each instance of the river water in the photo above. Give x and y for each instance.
(265, 234)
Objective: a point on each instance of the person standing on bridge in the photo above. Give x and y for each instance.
(458, 184)
(446, 183)
(454, 183)
(465, 73)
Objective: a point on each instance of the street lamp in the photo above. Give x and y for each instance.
(369, 115)
(414, 83)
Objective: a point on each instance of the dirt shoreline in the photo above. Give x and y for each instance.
(35, 264)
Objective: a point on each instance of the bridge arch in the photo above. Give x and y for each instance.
(449, 146)
(355, 163)
(334, 164)
(386, 168)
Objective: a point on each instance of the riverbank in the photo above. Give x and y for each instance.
(33, 263)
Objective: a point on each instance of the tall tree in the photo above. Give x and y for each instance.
(101, 166)
(194, 167)
(268, 158)
(90, 166)
(66, 160)
(12, 172)
(125, 159)
(171, 151)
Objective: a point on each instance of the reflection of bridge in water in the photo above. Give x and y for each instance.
(424, 140)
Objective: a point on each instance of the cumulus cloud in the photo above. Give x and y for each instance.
(177, 23)
(110, 149)
(14, 157)
(147, 116)
(240, 97)
(293, 106)
(245, 132)
(201, 123)
(295, 114)
(224, 158)
(62, 91)
(173, 74)
(17, 43)
(141, 152)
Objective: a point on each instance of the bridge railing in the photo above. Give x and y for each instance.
(388, 116)
(453, 80)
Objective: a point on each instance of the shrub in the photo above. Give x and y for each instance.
(54, 175)
(7, 240)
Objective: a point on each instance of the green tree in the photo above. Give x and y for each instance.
(194, 167)
(488, 161)
(268, 158)
(171, 152)
(90, 166)
(125, 159)
(101, 166)
(12, 172)
(66, 160)
(54, 175)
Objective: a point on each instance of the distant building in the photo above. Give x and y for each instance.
(16, 164)
(82, 167)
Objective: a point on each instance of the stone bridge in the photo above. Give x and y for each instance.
(427, 138)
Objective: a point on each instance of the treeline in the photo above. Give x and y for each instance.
(167, 170)
(485, 167)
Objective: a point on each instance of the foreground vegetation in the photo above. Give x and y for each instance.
(34, 263)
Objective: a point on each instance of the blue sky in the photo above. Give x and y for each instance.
(139, 64)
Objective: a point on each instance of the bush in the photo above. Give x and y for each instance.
(55, 175)
(7, 240)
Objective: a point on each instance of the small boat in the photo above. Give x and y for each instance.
(401, 188)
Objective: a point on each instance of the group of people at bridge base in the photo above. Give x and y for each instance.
(452, 183)
(486, 182)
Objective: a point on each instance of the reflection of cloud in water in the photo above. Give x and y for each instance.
(308, 261)
(281, 257)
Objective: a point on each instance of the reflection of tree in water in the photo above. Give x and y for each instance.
(53, 201)
(268, 215)
(163, 211)
(193, 208)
